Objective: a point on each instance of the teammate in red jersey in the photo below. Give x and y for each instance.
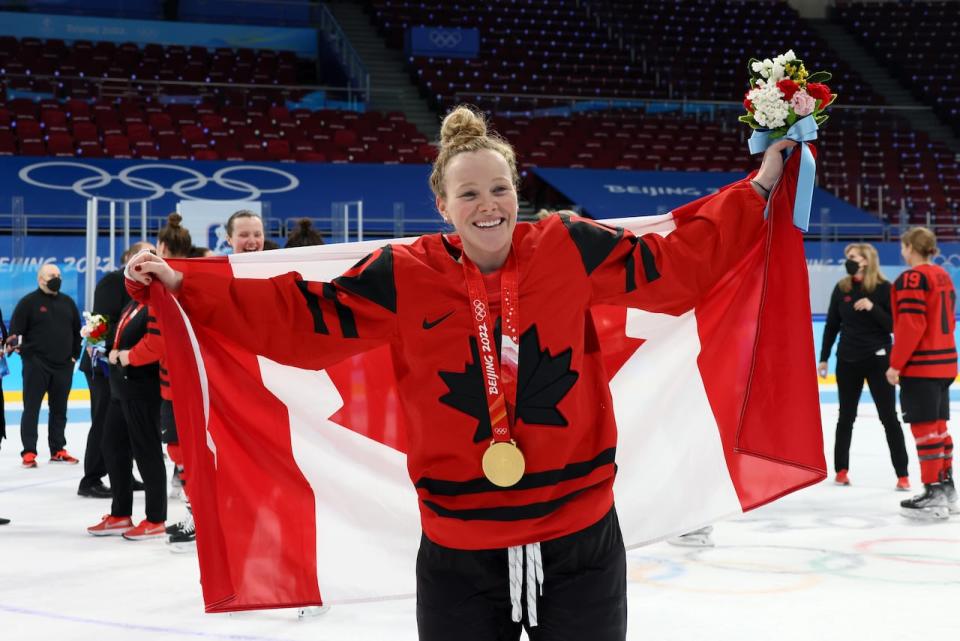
(924, 362)
(489, 332)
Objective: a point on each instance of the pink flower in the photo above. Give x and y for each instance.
(803, 103)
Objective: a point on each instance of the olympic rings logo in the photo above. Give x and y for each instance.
(479, 310)
(194, 181)
(445, 39)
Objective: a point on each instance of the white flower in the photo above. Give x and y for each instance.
(770, 110)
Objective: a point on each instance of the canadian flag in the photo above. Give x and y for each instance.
(298, 478)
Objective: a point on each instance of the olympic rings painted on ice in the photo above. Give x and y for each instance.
(194, 181)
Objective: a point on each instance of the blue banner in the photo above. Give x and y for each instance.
(22, 25)
(396, 198)
(610, 193)
(442, 42)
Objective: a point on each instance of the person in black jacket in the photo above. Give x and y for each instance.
(860, 312)
(46, 323)
(133, 425)
(109, 299)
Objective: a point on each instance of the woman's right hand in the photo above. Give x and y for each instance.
(146, 266)
(822, 369)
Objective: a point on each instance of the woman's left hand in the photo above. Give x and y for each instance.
(863, 305)
(772, 166)
(893, 376)
(112, 356)
(123, 357)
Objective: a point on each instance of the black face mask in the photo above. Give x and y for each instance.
(54, 284)
(852, 267)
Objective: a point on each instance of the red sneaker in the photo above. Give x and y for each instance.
(903, 484)
(111, 526)
(146, 530)
(29, 460)
(63, 456)
(841, 478)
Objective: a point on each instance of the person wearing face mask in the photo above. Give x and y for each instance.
(46, 329)
(477, 322)
(860, 313)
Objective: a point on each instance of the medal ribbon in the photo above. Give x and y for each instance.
(499, 370)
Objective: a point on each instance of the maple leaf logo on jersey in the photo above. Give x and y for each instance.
(543, 381)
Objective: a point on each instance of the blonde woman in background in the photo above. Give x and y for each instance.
(860, 313)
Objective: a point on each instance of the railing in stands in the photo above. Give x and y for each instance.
(109, 89)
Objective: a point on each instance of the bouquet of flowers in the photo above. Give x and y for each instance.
(782, 92)
(94, 328)
(94, 333)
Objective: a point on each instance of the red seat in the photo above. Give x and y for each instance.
(29, 131)
(60, 144)
(117, 146)
(278, 149)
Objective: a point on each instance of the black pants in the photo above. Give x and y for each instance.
(850, 377)
(38, 380)
(3, 417)
(94, 467)
(465, 594)
(134, 426)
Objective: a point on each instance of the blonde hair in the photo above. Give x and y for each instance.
(921, 240)
(465, 129)
(872, 276)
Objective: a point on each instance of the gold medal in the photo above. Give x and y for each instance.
(503, 463)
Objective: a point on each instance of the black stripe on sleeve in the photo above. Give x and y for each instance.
(151, 330)
(918, 301)
(911, 311)
(348, 324)
(631, 268)
(931, 446)
(313, 304)
(650, 271)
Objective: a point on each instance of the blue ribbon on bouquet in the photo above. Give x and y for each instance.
(802, 131)
(98, 357)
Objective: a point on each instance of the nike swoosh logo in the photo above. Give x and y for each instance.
(430, 325)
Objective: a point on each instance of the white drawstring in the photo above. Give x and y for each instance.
(534, 562)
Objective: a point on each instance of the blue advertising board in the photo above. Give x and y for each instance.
(288, 190)
(609, 193)
(22, 25)
(442, 42)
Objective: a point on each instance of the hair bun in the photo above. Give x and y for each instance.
(306, 225)
(460, 125)
(174, 220)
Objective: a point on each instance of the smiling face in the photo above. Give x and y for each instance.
(247, 235)
(480, 201)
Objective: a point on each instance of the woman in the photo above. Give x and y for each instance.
(245, 232)
(133, 426)
(860, 312)
(479, 425)
(924, 363)
(174, 241)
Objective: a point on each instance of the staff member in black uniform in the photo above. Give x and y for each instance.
(47, 325)
(860, 312)
(109, 299)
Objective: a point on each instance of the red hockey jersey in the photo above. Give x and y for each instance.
(414, 299)
(924, 302)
